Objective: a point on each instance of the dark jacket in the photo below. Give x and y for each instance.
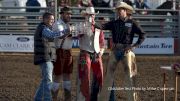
(123, 32)
(34, 3)
(141, 5)
(43, 47)
(128, 2)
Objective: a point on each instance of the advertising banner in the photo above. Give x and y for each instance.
(156, 46)
(16, 43)
(19, 43)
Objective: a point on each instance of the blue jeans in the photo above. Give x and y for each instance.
(43, 92)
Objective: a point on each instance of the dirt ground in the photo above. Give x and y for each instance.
(19, 78)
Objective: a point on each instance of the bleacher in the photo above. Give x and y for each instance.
(16, 23)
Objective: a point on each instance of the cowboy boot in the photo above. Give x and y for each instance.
(67, 95)
(55, 95)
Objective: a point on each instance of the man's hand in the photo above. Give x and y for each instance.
(68, 35)
(65, 35)
(129, 48)
(101, 52)
(80, 35)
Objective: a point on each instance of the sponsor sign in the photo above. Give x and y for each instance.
(21, 43)
(16, 43)
(156, 46)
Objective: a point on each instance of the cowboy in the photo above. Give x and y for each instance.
(64, 64)
(123, 31)
(91, 46)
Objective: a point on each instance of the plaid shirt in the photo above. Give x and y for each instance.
(48, 33)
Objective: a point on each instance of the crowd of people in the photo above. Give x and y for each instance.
(52, 52)
(140, 5)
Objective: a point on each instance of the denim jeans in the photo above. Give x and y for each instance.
(43, 92)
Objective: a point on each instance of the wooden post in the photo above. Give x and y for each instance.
(177, 74)
(164, 75)
(176, 83)
(55, 9)
(179, 32)
(174, 4)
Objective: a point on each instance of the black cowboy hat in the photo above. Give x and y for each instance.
(66, 10)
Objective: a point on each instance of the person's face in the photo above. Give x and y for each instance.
(49, 21)
(122, 12)
(140, 0)
(66, 16)
(90, 17)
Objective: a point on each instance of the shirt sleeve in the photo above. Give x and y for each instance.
(101, 39)
(106, 26)
(48, 33)
(146, 6)
(141, 34)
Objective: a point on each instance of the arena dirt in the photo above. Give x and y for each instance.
(19, 78)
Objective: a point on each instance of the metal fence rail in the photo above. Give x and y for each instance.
(13, 23)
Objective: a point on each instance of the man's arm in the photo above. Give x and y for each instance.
(101, 42)
(49, 34)
(138, 30)
(105, 26)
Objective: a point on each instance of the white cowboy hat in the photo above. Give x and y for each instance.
(124, 5)
(89, 10)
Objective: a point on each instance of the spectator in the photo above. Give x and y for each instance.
(64, 3)
(32, 3)
(168, 4)
(128, 2)
(140, 4)
(84, 3)
(153, 4)
(51, 3)
(102, 3)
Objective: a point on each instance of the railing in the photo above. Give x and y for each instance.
(16, 23)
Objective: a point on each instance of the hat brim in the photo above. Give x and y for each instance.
(70, 12)
(125, 7)
(83, 12)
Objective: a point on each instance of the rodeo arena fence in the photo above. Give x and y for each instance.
(162, 26)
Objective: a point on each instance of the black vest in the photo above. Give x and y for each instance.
(43, 48)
